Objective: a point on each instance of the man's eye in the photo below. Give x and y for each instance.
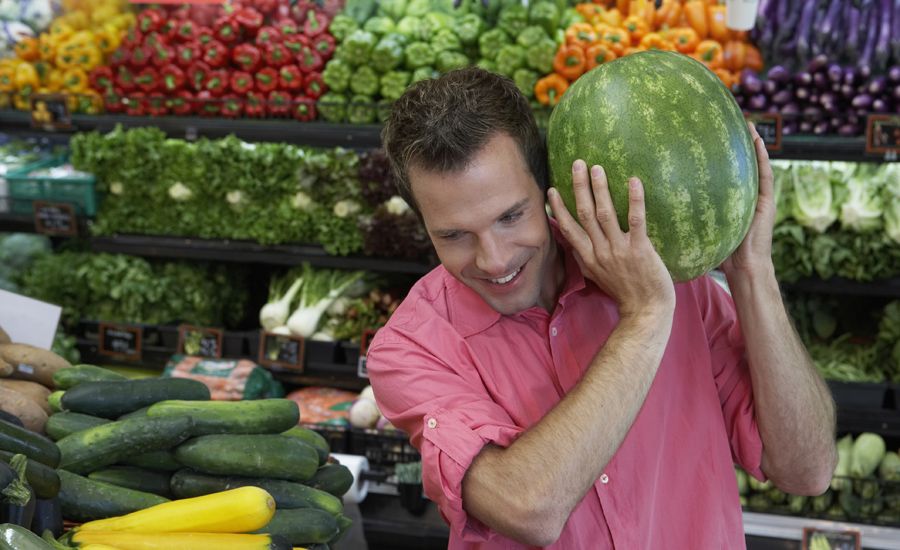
(450, 236)
(510, 218)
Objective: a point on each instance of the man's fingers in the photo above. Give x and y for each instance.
(604, 210)
(570, 229)
(766, 178)
(584, 201)
(637, 216)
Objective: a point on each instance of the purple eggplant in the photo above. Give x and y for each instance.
(750, 83)
(757, 102)
(782, 97)
(821, 128)
(812, 113)
(803, 78)
(789, 12)
(868, 50)
(829, 22)
(851, 32)
(805, 127)
(820, 81)
(894, 72)
(883, 43)
(895, 33)
(848, 130)
(802, 41)
(896, 93)
(801, 93)
(739, 98)
(877, 86)
(813, 98)
(863, 101)
(853, 119)
(817, 63)
(834, 72)
(847, 91)
(828, 101)
(769, 87)
(849, 76)
(790, 110)
(788, 129)
(779, 74)
(879, 105)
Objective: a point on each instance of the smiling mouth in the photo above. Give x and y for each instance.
(507, 279)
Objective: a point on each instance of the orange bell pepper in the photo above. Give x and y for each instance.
(668, 15)
(617, 39)
(655, 41)
(727, 77)
(47, 47)
(695, 13)
(589, 10)
(598, 54)
(753, 59)
(27, 49)
(716, 20)
(569, 61)
(622, 6)
(581, 34)
(550, 89)
(733, 55)
(644, 9)
(684, 38)
(637, 28)
(709, 52)
(612, 18)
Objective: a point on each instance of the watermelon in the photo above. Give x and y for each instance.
(667, 119)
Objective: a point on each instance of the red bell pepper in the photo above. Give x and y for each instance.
(232, 106)
(119, 57)
(132, 39)
(217, 82)
(184, 30)
(300, 9)
(255, 104)
(290, 78)
(249, 19)
(304, 109)
(246, 56)
(154, 39)
(266, 80)
(196, 75)
(140, 56)
(266, 7)
(163, 55)
(316, 23)
(267, 35)
(324, 44)
(125, 78)
(207, 105)
(277, 55)
(315, 85)
(172, 78)
(187, 54)
(309, 60)
(215, 54)
(279, 102)
(112, 101)
(150, 19)
(287, 27)
(156, 106)
(205, 35)
(135, 104)
(241, 82)
(227, 30)
(295, 43)
(102, 79)
(148, 79)
(182, 103)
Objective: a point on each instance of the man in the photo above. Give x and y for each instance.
(562, 391)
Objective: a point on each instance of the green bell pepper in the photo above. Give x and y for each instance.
(449, 60)
(513, 19)
(487, 65)
(468, 28)
(337, 75)
(364, 81)
(418, 8)
(435, 21)
(388, 53)
(525, 80)
(545, 15)
(394, 83)
(333, 107)
(531, 36)
(423, 73)
(444, 40)
(510, 58)
(395, 9)
(489, 43)
(569, 17)
(358, 46)
(540, 56)
(412, 28)
(419, 54)
(380, 26)
(361, 110)
(342, 26)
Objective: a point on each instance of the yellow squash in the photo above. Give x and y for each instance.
(235, 511)
(176, 541)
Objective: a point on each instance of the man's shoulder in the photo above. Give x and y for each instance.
(426, 300)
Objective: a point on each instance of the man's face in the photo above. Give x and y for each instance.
(489, 227)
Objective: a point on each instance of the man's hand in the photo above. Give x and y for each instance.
(623, 264)
(755, 252)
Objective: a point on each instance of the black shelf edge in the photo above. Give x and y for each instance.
(16, 223)
(889, 288)
(884, 422)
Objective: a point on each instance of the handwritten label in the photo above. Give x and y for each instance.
(281, 351)
(50, 112)
(120, 341)
(55, 219)
(883, 135)
(768, 125)
(361, 367)
(200, 341)
(826, 539)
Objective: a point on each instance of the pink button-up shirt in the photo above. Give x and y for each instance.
(456, 375)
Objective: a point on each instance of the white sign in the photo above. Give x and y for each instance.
(28, 321)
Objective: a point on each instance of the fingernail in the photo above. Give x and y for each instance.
(634, 183)
(578, 166)
(551, 192)
(596, 170)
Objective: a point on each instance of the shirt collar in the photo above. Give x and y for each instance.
(470, 314)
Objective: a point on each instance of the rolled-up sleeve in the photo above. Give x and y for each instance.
(448, 416)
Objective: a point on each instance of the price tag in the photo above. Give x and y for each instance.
(55, 219)
(120, 341)
(827, 539)
(883, 135)
(200, 341)
(361, 370)
(50, 112)
(364, 339)
(281, 351)
(768, 125)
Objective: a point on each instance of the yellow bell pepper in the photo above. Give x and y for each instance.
(75, 80)
(43, 69)
(103, 14)
(26, 78)
(47, 47)
(107, 39)
(55, 80)
(5, 100)
(77, 19)
(60, 30)
(22, 101)
(7, 79)
(89, 57)
(124, 21)
(27, 48)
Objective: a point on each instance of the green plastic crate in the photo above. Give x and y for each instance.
(78, 191)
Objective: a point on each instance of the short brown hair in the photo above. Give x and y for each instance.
(440, 124)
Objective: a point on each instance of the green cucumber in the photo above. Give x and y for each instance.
(287, 494)
(262, 416)
(84, 499)
(16, 537)
(100, 446)
(332, 478)
(16, 439)
(64, 423)
(344, 524)
(113, 399)
(302, 526)
(274, 456)
(54, 400)
(135, 478)
(140, 413)
(72, 376)
(312, 437)
(43, 479)
(160, 461)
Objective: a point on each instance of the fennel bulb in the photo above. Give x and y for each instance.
(275, 313)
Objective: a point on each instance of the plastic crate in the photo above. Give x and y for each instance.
(76, 190)
(383, 448)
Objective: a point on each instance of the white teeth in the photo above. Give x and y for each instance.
(506, 279)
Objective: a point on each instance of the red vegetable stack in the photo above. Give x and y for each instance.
(252, 58)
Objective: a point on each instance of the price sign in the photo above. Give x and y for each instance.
(768, 125)
(883, 135)
(281, 351)
(50, 112)
(120, 341)
(364, 340)
(55, 218)
(200, 341)
(826, 539)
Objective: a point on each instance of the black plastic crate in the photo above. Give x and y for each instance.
(859, 395)
(338, 437)
(383, 448)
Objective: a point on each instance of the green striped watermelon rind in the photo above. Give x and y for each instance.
(667, 119)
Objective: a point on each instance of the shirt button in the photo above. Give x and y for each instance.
(432, 423)
(604, 479)
(553, 331)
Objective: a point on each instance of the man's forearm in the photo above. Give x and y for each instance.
(528, 490)
(794, 408)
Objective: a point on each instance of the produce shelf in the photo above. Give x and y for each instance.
(791, 528)
(17, 223)
(888, 288)
(247, 252)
